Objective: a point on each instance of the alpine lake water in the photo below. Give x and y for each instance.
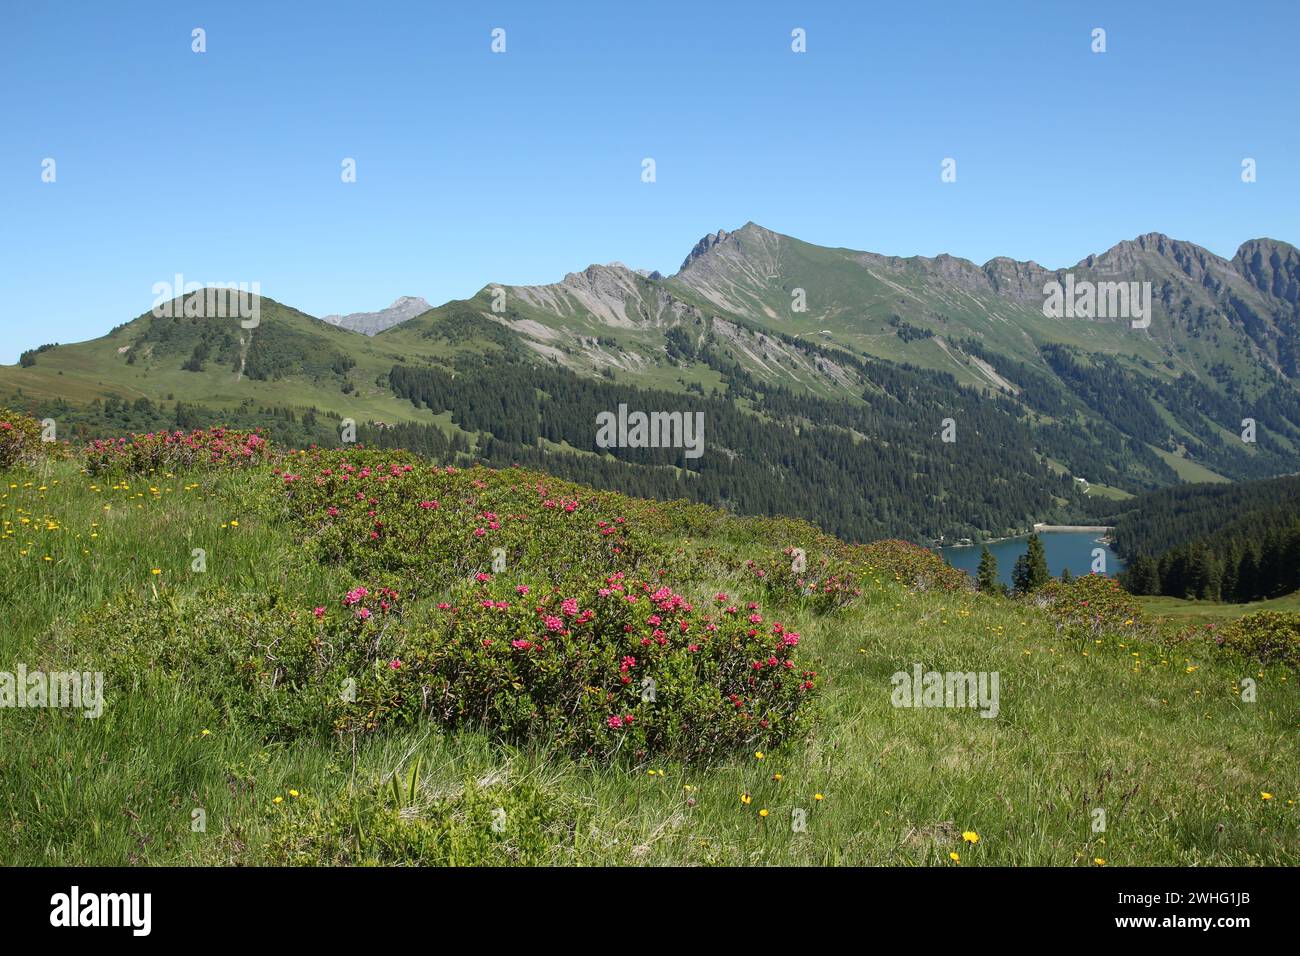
(1064, 549)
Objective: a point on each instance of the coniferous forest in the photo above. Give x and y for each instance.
(865, 471)
(1230, 542)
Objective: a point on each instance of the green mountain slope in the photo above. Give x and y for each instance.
(807, 339)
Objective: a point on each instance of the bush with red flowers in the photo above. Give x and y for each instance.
(380, 515)
(20, 438)
(1090, 603)
(205, 449)
(622, 667)
(791, 576)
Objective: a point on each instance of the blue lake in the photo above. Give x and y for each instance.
(1065, 549)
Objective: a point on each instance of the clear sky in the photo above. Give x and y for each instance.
(518, 167)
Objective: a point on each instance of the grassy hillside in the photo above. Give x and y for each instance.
(1185, 611)
(146, 358)
(222, 690)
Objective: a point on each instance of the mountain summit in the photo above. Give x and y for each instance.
(372, 323)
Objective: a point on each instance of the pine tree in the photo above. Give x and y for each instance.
(987, 576)
(1031, 572)
(1142, 576)
(1066, 576)
(1172, 580)
(1248, 576)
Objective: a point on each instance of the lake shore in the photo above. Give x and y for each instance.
(1038, 528)
(1073, 527)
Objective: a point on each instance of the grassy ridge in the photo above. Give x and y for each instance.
(1158, 737)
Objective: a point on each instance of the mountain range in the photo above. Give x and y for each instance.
(850, 357)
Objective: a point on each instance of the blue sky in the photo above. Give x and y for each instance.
(519, 167)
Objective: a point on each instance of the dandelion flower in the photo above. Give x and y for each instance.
(1265, 795)
(1098, 861)
(818, 797)
(278, 800)
(293, 793)
(758, 754)
(970, 836)
(763, 812)
(955, 857)
(746, 799)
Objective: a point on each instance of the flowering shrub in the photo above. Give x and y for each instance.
(213, 448)
(603, 659)
(20, 438)
(378, 514)
(1092, 602)
(1268, 636)
(818, 583)
(910, 565)
(626, 667)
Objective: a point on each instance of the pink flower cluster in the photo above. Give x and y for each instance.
(382, 598)
(171, 451)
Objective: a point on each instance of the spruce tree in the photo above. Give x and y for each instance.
(1248, 576)
(1031, 572)
(1142, 576)
(987, 576)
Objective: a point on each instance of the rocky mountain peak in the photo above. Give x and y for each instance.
(372, 323)
(1130, 252)
(1272, 267)
(704, 246)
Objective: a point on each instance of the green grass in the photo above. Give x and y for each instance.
(1177, 609)
(1098, 490)
(1187, 470)
(1158, 738)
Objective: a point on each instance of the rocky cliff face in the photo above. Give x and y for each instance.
(612, 295)
(1272, 267)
